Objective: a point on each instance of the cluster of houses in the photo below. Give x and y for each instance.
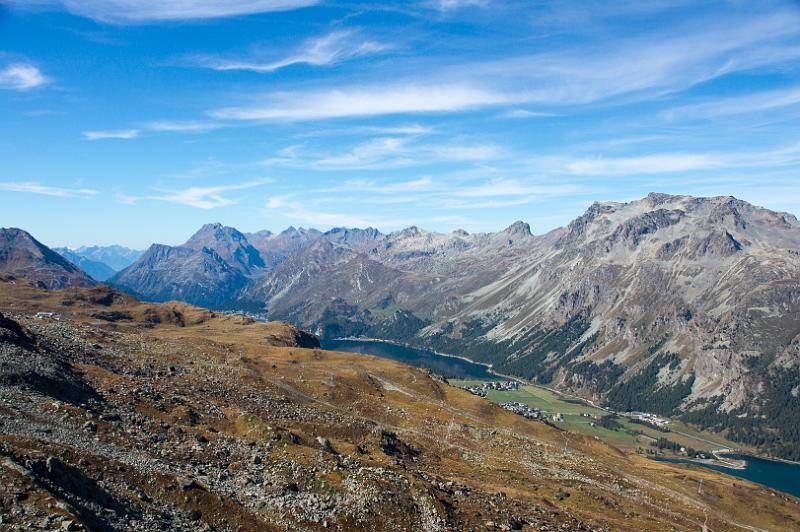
(518, 408)
(649, 418)
(524, 410)
(481, 389)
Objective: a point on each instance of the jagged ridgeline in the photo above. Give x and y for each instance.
(672, 304)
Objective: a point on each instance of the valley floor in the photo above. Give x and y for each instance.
(581, 417)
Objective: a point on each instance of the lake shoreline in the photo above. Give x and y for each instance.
(718, 460)
(448, 355)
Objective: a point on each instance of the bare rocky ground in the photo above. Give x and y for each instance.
(118, 415)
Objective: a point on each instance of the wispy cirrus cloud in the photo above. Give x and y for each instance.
(513, 187)
(112, 134)
(146, 11)
(189, 126)
(365, 101)
(750, 103)
(524, 113)
(210, 197)
(330, 49)
(160, 126)
(21, 77)
(421, 184)
(677, 162)
(623, 70)
(388, 152)
(643, 67)
(481, 193)
(45, 190)
(646, 164)
(288, 207)
(452, 5)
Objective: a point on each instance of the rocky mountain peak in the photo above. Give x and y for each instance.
(354, 236)
(230, 244)
(654, 199)
(24, 256)
(211, 232)
(410, 232)
(519, 228)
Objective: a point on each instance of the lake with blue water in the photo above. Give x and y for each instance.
(782, 476)
(449, 367)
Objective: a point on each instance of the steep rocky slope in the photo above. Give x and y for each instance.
(121, 415)
(23, 256)
(198, 276)
(231, 246)
(276, 248)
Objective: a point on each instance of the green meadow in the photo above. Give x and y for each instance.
(575, 411)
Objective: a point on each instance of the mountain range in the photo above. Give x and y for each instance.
(677, 305)
(101, 262)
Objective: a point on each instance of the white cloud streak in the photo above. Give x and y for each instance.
(207, 197)
(365, 101)
(644, 67)
(666, 163)
(295, 210)
(115, 134)
(512, 187)
(645, 164)
(452, 5)
(191, 126)
(388, 152)
(44, 190)
(146, 11)
(21, 77)
(524, 113)
(329, 49)
(751, 103)
(632, 69)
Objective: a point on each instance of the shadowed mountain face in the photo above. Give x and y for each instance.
(165, 273)
(22, 255)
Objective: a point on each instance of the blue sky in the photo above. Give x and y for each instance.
(134, 121)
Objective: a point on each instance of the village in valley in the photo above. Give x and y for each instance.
(644, 432)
